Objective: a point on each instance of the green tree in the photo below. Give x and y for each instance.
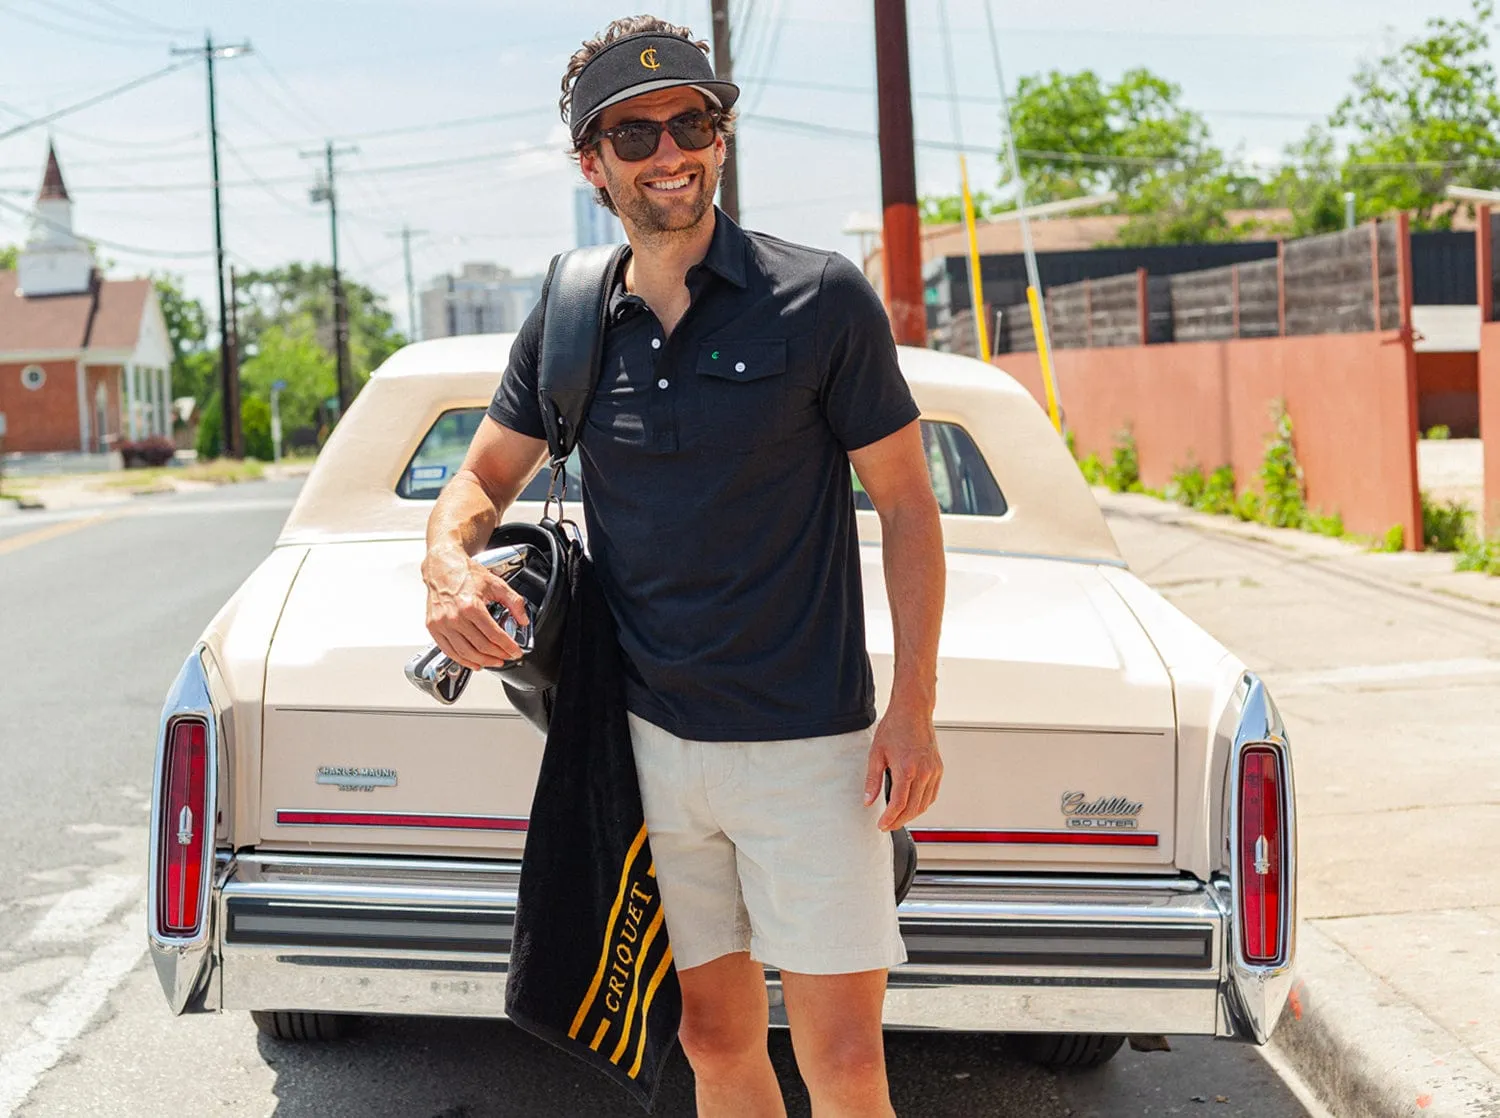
(298, 298)
(255, 421)
(1311, 184)
(195, 369)
(8, 256)
(1423, 117)
(291, 353)
(1080, 135)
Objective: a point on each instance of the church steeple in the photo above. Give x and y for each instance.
(55, 260)
(53, 186)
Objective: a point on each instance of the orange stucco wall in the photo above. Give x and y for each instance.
(1489, 421)
(1352, 399)
(42, 419)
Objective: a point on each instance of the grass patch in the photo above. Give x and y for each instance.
(1476, 554)
(223, 471)
(1445, 524)
(1123, 474)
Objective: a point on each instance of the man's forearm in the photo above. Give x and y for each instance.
(463, 515)
(915, 576)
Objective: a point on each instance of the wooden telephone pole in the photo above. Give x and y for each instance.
(901, 263)
(729, 181)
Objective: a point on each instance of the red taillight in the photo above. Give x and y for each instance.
(185, 832)
(1262, 859)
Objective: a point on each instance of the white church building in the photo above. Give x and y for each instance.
(84, 361)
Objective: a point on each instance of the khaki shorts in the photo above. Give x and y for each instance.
(767, 847)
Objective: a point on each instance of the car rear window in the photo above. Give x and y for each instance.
(961, 479)
(442, 453)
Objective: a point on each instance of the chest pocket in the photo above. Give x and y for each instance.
(743, 393)
(621, 406)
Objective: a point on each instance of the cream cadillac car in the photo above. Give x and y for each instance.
(1113, 852)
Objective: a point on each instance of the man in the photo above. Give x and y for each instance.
(741, 377)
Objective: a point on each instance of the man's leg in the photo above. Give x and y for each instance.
(835, 1020)
(724, 1022)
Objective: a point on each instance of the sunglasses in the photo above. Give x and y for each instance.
(638, 139)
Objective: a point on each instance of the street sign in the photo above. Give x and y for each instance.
(279, 385)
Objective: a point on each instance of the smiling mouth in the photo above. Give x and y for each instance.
(678, 185)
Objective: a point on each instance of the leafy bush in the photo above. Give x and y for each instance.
(1187, 486)
(1283, 504)
(1331, 525)
(1123, 474)
(1479, 555)
(1394, 540)
(1092, 469)
(1246, 506)
(1439, 432)
(1218, 492)
(255, 421)
(155, 451)
(1445, 525)
(210, 428)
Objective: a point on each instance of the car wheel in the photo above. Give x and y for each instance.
(284, 1024)
(1067, 1050)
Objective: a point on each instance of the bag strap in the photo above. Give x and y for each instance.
(575, 298)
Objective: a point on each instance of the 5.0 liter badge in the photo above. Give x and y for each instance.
(1107, 813)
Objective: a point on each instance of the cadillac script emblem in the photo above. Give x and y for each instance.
(349, 779)
(1107, 813)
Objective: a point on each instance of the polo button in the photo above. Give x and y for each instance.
(661, 383)
(739, 366)
(655, 343)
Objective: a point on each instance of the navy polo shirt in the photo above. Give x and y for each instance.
(717, 492)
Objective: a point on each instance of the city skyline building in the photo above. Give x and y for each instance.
(481, 299)
(592, 223)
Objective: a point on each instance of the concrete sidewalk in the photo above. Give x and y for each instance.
(1387, 671)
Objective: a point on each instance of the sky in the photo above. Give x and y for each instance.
(402, 83)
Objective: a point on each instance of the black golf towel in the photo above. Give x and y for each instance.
(590, 966)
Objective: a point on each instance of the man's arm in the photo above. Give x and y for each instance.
(893, 471)
(497, 467)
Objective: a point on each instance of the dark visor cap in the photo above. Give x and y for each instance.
(643, 63)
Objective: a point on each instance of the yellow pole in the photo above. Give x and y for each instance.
(976, 284)
(1039, 330)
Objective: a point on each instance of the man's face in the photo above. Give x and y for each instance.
(668, 191)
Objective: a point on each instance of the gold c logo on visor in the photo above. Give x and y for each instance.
(648, 59)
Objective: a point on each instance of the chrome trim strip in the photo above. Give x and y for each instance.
(1036, 836)
(1255, 993)
(185, 964)
(351, 818)
(357, 928)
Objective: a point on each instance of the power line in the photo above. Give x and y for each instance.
(37, 122)
(312, 114)
(134, 250)
(139, 19)
(71, 32)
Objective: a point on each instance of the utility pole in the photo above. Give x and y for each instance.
(406, 234)
(232, 442)
(729, 182)
(901, 267)
(325, 192)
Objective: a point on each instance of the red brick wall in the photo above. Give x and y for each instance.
(45, 419)
(1210, 402)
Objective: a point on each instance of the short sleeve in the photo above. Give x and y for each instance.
(516, 404)
(864, 396)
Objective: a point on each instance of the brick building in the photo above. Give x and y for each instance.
(84, 361)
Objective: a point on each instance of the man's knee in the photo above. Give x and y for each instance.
(840, 1060)
(724, 1014)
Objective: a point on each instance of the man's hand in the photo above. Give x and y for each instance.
(906, 744)
(459, 592)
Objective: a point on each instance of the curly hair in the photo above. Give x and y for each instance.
(629, 25)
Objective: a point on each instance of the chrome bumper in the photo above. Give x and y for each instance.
(1000, 953)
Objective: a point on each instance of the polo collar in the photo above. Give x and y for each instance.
(726, 251)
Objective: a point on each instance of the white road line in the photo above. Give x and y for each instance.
(1401, 672)
(68, 1012)
(78, 912)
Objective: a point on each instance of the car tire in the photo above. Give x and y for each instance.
(281, 1024)
(1067, 1050)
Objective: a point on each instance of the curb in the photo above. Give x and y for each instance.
(1366, 1052)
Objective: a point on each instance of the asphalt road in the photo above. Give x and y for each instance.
(97, 611)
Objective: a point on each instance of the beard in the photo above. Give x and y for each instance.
(655, 217)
